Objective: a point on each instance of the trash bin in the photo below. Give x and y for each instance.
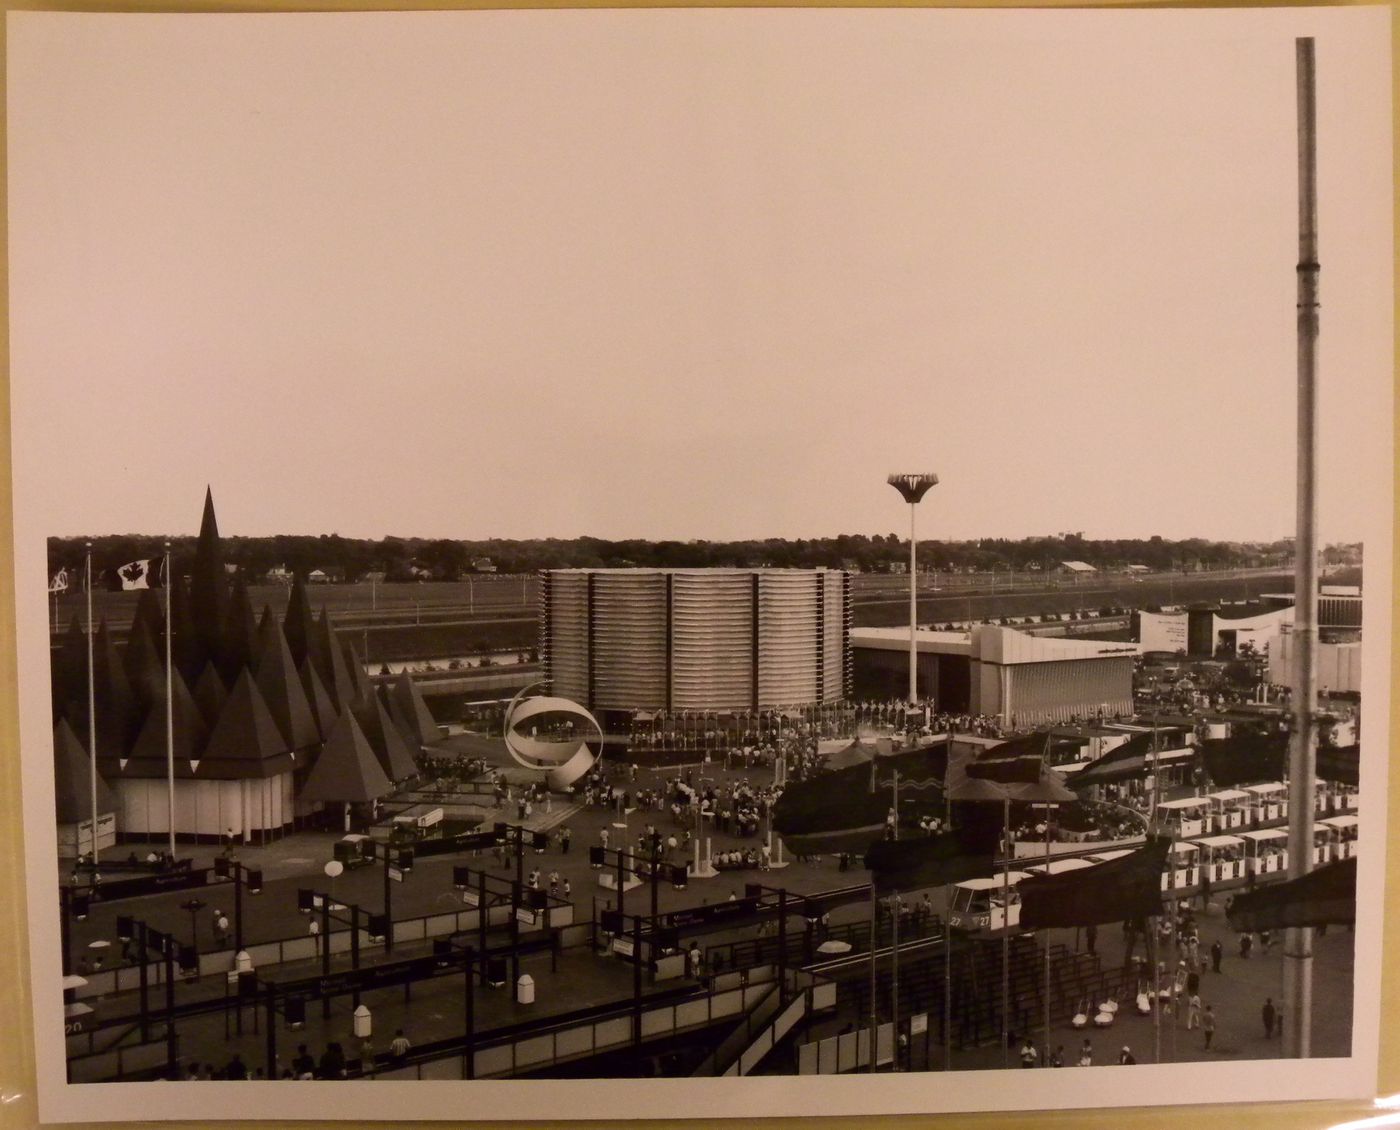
(363, 1023)
(525, 989)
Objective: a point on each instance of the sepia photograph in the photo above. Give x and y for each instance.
(721, 552)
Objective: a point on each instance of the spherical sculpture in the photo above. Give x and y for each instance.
(563, 758)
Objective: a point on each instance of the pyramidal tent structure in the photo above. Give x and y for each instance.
(260, 710)
(410, 713)
(73, 787)
(347, 771)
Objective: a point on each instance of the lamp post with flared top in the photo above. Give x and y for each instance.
(912, 488)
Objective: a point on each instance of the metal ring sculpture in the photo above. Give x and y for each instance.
(563, 762)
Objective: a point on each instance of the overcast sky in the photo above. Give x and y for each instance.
(679, 274)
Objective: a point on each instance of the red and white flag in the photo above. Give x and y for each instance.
(144, 574)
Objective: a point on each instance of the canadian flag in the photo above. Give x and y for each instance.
(143, 574)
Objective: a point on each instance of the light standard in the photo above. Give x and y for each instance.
(912, 489)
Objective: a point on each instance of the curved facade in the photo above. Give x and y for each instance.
(696, 639)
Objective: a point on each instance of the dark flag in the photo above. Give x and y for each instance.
(1323, 897)
(1123, 888)
(926, 861)
(1341, 764)
(1245, 758)
(1017, 761)
(1131, 759)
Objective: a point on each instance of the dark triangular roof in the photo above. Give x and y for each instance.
(150, 616)
(189, 652)
(144, 669)
(410, 712)
(239, 640)
(117, 715)
(210, 693)
(245, 741)
(209, 582)
(385, 739)
(300, 629)
(364, 689)
(322, 708)
(69, 668)
(282, 690)
(189, 730)
(347, 769)
(73, 779)
(331, 665)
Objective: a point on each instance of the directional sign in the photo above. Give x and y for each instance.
(918, 1023)
(395, 874)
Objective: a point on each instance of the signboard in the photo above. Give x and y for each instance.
(918, 1023)
(394, 873)
(471, 898)
(622, 946)
(522, 914)
(154, 883)
(714, 913)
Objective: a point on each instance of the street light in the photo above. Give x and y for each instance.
(912, 488)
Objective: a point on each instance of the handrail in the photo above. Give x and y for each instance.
(734, 1044)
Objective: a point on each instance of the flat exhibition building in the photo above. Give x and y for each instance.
(1021, 679)
(696, 639)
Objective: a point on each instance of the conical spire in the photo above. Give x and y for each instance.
(384, 738)
(347, 770)
(117, 717)
(210, 694)
(410, 713)
(299, 626)
(238, 646)
(73, 778)
(322, 708)
(334, 672)
(151, 616)
(186, 647)
(144, 669)
(189, 732)
(69, 669)
(282, 690)
(245, 741)
(209, 583)
(364, 689)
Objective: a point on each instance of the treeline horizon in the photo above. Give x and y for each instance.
(409, 559)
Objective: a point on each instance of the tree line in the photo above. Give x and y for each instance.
(405, 559)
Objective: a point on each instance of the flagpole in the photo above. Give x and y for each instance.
(894, 942)
(92, 705)
(169, 707)
(874, 1000)
(1046, 1060)
(1005, 926)
(1297, 940)
(1152, 828)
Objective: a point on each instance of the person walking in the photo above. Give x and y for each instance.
(1269, 1015)
(1126, 1057)
(1029, 1055)
(564, 836)
(1208, 1025)
(399, 1045)
(1193, 1011)
(1217, 952)
(1086, 1054)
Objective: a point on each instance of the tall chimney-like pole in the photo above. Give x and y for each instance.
(912, 489)
(1297, 944)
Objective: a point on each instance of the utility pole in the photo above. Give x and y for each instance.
(1297, 940)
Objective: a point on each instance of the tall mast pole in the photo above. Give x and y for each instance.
(1297, 942)
(912, 488)
(92, 702)
(169, 706)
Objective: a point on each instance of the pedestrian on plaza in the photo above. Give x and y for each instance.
(1029, 1055)
(1270, 1015)
(1246, 944)
(1125, 1057)
(304, 1064)
(220, 927)
(399, 1045)
(314, 929)
(564, 835)
(1208, 1025)
(1266, 939)
(553, 884)
(1193, 1011)
(603, 837)
(332, 1065)
(1217, 952)
(1057, 1057)
(236, 1068)
(1086, 1054)
(568, 890)
(1193, 984)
